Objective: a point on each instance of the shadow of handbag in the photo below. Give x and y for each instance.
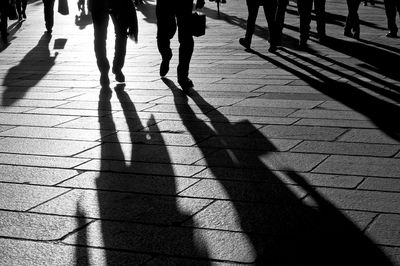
(198, 22)
(63, 7)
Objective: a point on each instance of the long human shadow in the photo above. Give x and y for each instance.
(379, 111)
(139, 213)
(378, 59)
(40, 57)
(282, 229)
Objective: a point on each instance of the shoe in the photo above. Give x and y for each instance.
(119, 76)
(49, 31)
(185, 83)
(20, 18)
(303, 44)
(164, 67)
(391, 34)
(104, 80)
(246, 44)
(356, 35)
(348, 33)
(24, 15)
(272, 48)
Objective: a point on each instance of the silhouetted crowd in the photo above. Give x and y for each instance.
(175, 16)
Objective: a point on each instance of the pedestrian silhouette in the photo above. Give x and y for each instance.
(270, 8)
(101, 11)
(391, 8)
(4, 20)
(352, 27)
(304, 9)
(170, 16)
(21, 7)
(49, 15)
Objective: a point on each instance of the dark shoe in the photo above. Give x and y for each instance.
(104, 80)
(348, 33)
(245, 43)
(303, 44)
(164, 67)
(391, 34)
(119, 76)
(185, 83)
(24, 15)
(272, 48)
(20, 18)
(356, 35)
(49, 31)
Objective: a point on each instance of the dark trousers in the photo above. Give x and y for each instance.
(391, 6)
(352, 20)
(100, 17)
(170, 17)
(3, 19)
(21, 6)
(280, 17)
(304, 8)
(269, 7)
(49, 14)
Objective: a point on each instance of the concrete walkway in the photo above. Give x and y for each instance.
(284, 159)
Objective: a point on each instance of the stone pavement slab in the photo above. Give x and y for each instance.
(286, 158)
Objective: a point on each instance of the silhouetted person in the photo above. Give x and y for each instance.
(4, 20)
(269, 7)
(49, 15)
(21, 7)
(101, 12)
(391, 7)
(173, 14)
(305, 8)
(280, 18)
(352, 27)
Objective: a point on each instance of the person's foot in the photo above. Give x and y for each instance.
(104, 80)
(119, 76)
(348, 33)
(185, 83)
(356, 34)
(245, 43)
(49, 31)
(20, 18)
(272, 48)
(391, 34)
(24, 15)
(303, 44)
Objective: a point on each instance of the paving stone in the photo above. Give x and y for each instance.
(37, 103)
(130, 183)
(17, 252)
(250, 111)
(37, 226)
(105, 124)
(69, 112)
(356, 165)
(286, 89)
(115, 106)
(141, 168)
(220, 101)
(365, 149)
(381, 184)
(368, 136)
(301, 132)
(361, 219)
(33, 120)
(14, 109)
(178, 241)
(40, 161)
(240, 191)
(393, 253)
(23, 197)
(329, 114)
(5, 128)
(168, 261)
(145, 153)
(122, 206)
(34, 175)
(56, 133)
(279, 103)
(335, 123)
(386, 229)
(44, 146)
(361, 200)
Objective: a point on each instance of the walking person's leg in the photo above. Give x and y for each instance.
(280, 18)
(120, 48)
(49, 15)
(270, 7)
(252, 8)
(304, 8)
(100, 19)
(319, 6)
(390, 10)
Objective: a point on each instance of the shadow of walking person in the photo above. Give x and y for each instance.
(283, 229)
(18, 82)
(140, 214)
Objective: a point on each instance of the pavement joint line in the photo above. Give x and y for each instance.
(46, 201)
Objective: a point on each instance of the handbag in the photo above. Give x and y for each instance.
(63, 7)
(12, 11)
(198, 22)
